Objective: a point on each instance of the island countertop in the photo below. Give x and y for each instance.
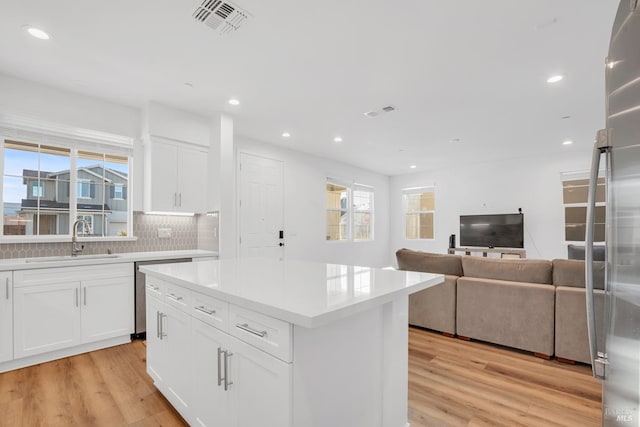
(304, 293)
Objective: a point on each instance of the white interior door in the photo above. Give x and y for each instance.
(261, 207)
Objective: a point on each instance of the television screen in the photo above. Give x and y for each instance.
(492, 231)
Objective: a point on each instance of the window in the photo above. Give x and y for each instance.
(349, 212)
(46, 186)
(418, 205)
(575, 192)
(118, 191)
(84, 189)
(37, 189)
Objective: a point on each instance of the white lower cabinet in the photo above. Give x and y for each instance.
(107, 308)
(6, 316)
(261, 389)
(59, 308)
(47, 318)
(212, 378)
(210, 400)
(168, 347)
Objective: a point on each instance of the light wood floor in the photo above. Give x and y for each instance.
(451, 383)
(459, 383)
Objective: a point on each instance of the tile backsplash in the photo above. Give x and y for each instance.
(187, 232)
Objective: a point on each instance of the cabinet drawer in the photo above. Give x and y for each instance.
(178, 297)
(155, 286)
(210, 310)
(266, 333)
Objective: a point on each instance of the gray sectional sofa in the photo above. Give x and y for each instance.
(532, 305)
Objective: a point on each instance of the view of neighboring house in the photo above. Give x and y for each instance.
(101, 194)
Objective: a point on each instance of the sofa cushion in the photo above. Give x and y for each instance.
(429, 262)
(570, 272)
(435, 307)
(515, 270)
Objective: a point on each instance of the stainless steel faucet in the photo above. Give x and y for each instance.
(75, 249)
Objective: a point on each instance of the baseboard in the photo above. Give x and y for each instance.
(59, 354)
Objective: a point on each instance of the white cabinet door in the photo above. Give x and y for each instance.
(156, 354)
(176, 339)
(175, 177)
(192, 177)
(162, 177)
(6, 316)
(107, 308)
(210, 401)
(47, 318)
(261, 389)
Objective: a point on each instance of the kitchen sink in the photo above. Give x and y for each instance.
(71, 258)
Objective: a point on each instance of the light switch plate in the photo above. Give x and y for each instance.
(164, 233)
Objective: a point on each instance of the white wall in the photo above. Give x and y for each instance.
(533, 184)
(35, 100)
(305, 201)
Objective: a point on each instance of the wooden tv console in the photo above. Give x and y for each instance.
(504, 252)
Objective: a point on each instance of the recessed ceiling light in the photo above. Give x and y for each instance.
(337, 139)
(567, 142)
(413, 166)
(38, 33)
(234, 101)
(286, 134)
(555, 79)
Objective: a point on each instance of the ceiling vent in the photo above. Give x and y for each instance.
(375, 113)
(223, 16)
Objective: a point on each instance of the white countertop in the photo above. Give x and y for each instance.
(67, 261)
(307, 294)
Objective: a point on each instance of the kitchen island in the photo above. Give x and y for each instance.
(281, 343)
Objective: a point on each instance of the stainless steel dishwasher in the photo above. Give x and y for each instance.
(141, 296)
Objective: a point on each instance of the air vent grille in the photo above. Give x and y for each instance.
(220, 15)
(375, 113)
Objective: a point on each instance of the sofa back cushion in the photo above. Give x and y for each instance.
(570, 272)
(515, 270)
(428, 262)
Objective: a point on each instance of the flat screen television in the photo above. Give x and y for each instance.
(492, 231)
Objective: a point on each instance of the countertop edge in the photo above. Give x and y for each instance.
(297, 319)
(13, 264)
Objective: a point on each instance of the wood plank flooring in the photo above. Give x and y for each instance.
(451, 383)
(460, 383)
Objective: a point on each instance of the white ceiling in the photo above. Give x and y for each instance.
(469, 70)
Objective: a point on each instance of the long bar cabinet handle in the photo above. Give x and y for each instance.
(246, 327)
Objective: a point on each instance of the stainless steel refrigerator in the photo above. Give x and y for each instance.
(613, 317)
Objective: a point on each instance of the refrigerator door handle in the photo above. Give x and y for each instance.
(598, 359)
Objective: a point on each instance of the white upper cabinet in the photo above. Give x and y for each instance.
(175, 177)
(6, 316)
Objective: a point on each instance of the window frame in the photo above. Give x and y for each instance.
(350, 209)
(75, 140)
(418, 190)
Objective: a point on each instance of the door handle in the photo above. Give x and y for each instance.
(77, 304)
(7, 287)
(280, 244)
(220, 351)
(162, 334)
(180, 199)
(157, 324)
(227, 383)
(598, 359)
(85, 296)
